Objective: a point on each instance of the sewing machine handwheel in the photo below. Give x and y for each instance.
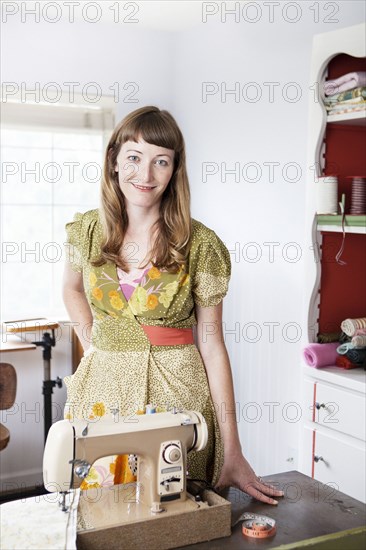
(201, 433)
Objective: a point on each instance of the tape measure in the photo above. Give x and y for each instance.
(259, 527)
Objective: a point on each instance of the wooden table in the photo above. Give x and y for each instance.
(309, 509)
(41, 328)
(13, 343)
(12, 333)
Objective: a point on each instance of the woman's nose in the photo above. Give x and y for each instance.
(144, 173)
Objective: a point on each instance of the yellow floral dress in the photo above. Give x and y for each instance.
(125, 371)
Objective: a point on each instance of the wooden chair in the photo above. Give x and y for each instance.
(8, 389)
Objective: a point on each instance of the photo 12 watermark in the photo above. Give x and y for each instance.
(68, 92)
(71, 12)
(250, 92)
(270, 12)
(252, 332)
(251, 171)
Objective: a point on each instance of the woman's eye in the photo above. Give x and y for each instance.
(132, 158)
(162, 162)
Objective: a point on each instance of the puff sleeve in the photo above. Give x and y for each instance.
(83, 239)
(212, 270)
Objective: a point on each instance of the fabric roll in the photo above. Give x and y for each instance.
(344, 338)
(343, 348)
(359, 341)
(320, 355)
(357, 356)
(345, 82)
(360, 331)
(345, 363)
(350, 95)
(349, 326)
(328, 337)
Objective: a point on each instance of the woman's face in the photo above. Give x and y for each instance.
(144, 171)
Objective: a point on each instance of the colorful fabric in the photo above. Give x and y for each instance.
(349, 326)
(345, 363)
(359, 92)
(357, 356)
(129, 281)
(343, 348)
(124, 370)
(320, 355)
(359, 341)
(345, 82)
(328, 337)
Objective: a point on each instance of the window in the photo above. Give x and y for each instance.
(51, 168)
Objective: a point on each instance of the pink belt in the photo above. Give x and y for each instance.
(168, 336)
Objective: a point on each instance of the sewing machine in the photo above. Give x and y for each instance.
(161, 442)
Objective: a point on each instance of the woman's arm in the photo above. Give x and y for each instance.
(77, 305)
(236, 470)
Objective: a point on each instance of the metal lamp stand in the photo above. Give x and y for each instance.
(47, 343)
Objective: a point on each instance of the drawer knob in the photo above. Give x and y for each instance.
(319, 406)
(318, 458)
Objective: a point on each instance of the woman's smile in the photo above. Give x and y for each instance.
(144, 188)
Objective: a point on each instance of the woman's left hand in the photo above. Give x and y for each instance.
(237, 472)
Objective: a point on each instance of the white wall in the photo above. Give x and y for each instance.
(81, 52)
(169, 68)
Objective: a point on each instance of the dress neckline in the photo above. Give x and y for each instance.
(128, 282)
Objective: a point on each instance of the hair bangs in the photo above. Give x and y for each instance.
(155, 128)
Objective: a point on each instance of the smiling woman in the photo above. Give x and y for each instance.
(143, 307)
(146, 168)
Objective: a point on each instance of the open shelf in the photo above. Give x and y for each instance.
(357, 118)
(342, 287)
(353, 224)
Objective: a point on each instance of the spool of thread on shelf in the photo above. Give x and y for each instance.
(327, 193)
(358, 196)
(150, 409)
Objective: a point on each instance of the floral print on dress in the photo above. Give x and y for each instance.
(129, 281)
(98, 476)
(146, 292)
(143, 290)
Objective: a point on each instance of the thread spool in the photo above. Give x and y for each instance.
(327, 195)
(358, 195)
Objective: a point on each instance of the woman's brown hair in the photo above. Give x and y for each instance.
(173, 227)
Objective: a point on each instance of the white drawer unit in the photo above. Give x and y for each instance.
(336, 462)
(333, 440)
(333, 408)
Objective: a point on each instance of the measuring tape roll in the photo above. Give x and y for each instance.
(259, 527)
